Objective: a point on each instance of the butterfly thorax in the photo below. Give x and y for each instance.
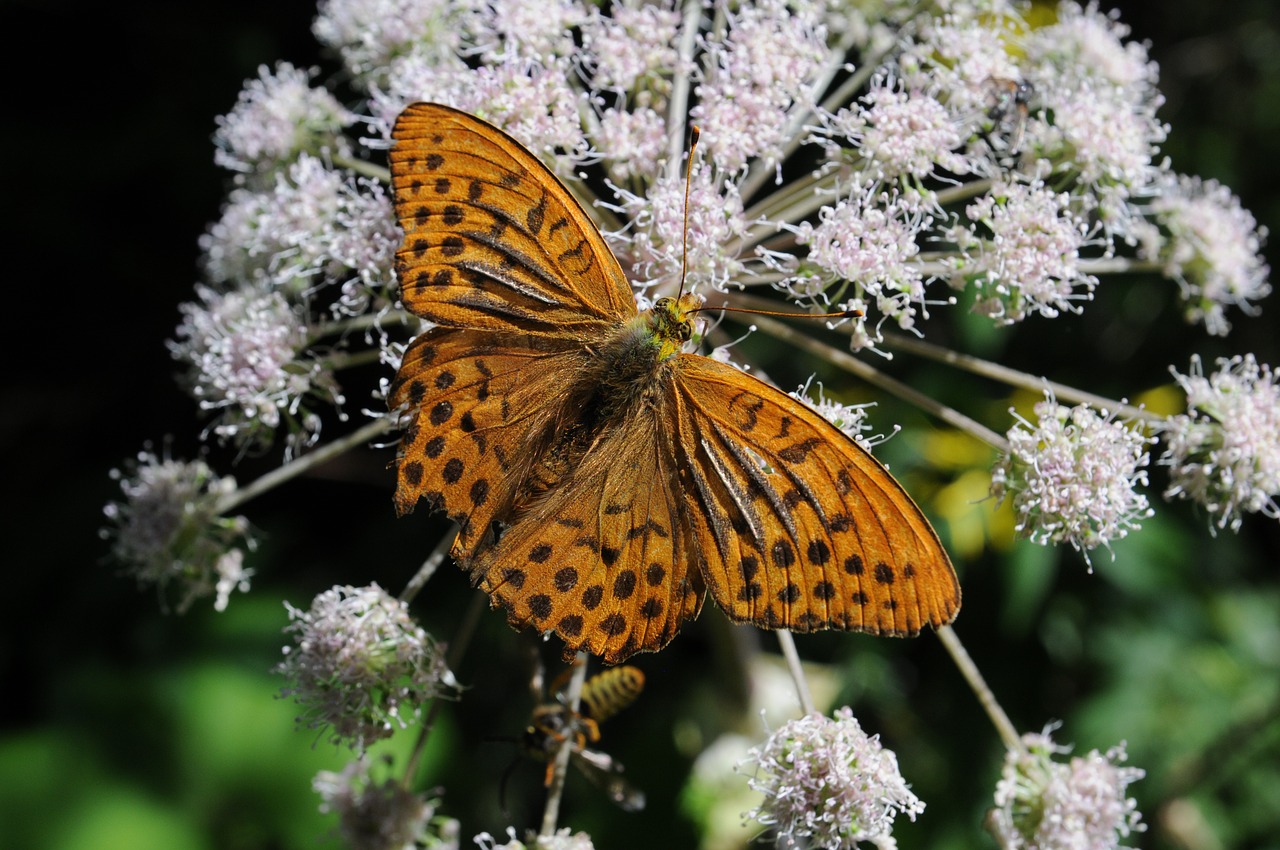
(670, 324)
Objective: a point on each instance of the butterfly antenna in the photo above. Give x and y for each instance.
(694, 134)
(724, 308)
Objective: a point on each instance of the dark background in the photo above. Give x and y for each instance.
(123, 727)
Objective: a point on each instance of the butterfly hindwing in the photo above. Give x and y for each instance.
(493, 241)
(479, 404)
(803, 529)
(604, 559)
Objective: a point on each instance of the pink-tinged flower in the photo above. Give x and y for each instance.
(277, 117)
(534, 31)
(863, 250)
(316, 225)
(383, 815)
(1092, 43)
(1212, 247)
(960, 53)
(633, 48)
(826, 780)
(654, 247)
(767, 63)
(169, 531)
(1100, 91)
(851, 419)
(360, 666)
(1073, 476)
(1224, 452)
(1024, 257)
(1043, 804)
(246, 362)
(905, 133)
(632, 143)
(370, 34)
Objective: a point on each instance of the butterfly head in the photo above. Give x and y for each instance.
(672, 323)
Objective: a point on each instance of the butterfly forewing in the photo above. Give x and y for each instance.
(493, 240)
(804, 529)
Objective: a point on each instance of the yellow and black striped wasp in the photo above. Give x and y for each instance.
(554, 724)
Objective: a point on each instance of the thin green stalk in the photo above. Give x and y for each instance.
(987, 699)
(875, 377)
(788, 645)
(678, 108)
(963, 192)
(306, 462)
(1015, 378)
(551, 814)
(364, 168)
(428, 568)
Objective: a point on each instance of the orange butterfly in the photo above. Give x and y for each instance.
(602, 477)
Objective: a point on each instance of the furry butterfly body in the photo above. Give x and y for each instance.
(602, 477)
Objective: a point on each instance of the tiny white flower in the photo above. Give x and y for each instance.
(169, 529)
(1213, 249)
(383, 815)
(278, 116)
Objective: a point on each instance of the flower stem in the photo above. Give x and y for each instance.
(987, 699)
(875, 377)
(366, 169)
(1014, 378)
(678, 105)
(1008, 734)
(573, 696)
(306, 462)
(428, 568)
(788, 645)
(453, 657)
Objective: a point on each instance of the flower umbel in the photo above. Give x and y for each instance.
(277, 117)
(1073, 476)
(828, 780)
(1042, 804)
(168, 530)
(361, 665)
(384, 815)
(561, 839)
(244, 353)
(1224, 452)
(1212, 249)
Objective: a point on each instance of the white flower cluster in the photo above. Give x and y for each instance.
(277, 117)
(169, 529)
(360, 665)
(1043, 804)
(1224, 452)
(1073, 476)
(825, 779)
(383, 815)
